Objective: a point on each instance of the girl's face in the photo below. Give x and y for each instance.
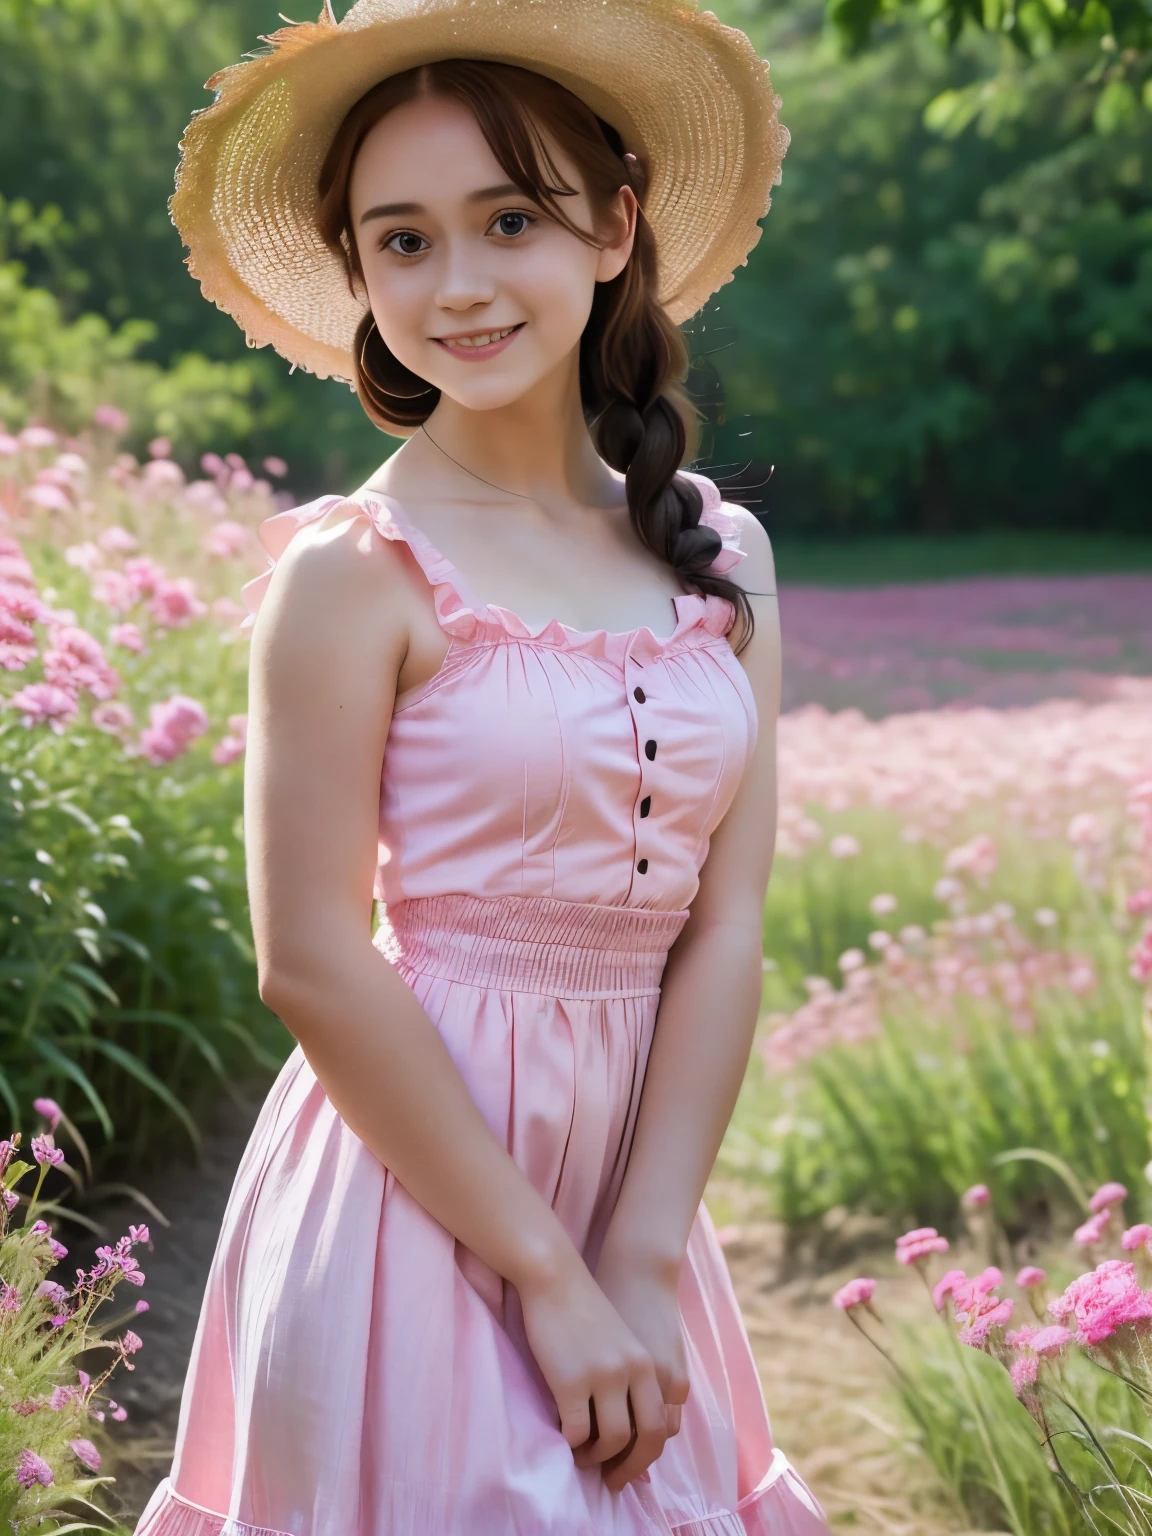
(471, 285)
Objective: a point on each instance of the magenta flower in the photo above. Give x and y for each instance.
(44, 704)
(53, 1292)
(972, 1199)
(9, 1297)
(1030, 1276)
(1102, 1301)
(993, 1314)
(31, 1468)
(856, 1293)
(1107, 1195)
(919, 1244)
(946, 1286)
(45, 1150)
(50, 1110)
(118, 1413)
(86, 1452)
(139, 1234)
(141, 1306)
(131, 1342)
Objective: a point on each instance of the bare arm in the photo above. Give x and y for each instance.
(710, 1000)
(326, 653)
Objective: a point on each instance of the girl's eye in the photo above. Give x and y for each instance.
(512, 224)
(407, 243)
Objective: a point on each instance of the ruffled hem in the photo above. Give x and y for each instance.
(781, 1505)
(465, 618)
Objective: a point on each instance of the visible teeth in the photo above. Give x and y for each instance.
(480, 341)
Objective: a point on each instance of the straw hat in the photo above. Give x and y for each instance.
(688, 95)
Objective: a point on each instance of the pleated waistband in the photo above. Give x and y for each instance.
(531, 944)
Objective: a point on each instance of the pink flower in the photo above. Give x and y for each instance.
(844, 846)
(1024, 1373)
(275, 467)
(114, 589)
(1030, 1276)
(9, 1297)
(918, 1244)
(981, 1321)
(118, 1413)
(1092, 1232)
(158, 474)
(50, 1110)
(851, 960)
(15, 571)
(9, 447)
(175, 724)
(139, 1234)
(241, 479)
(1139, 1236)
(117, 540)
(232, 746)
(975, 1197)
(142, 1306)
(1140, 901)
(1050, 1341)
(855, 1294)
(1107, 1195)
(226, 539)
(52, 1292)
(160, 447)
(26, 1407)
(1102, 1301)
(175, 604)
(131, 1342)
(127, 637)
(76, 661)
(212, 463)
(50, 498)
(144, 574)
(1020, 1338)
(113, 718)
(86, 1452)
(946, 1286)
(44, 703)
(45, 1150)
(31, 1468)
(976, 857)
(35, 437)
(111, 418)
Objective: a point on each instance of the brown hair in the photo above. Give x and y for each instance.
(632, 357)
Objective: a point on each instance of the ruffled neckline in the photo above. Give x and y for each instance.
(468, 619)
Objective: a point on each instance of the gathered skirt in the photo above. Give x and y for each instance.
(357, 1372)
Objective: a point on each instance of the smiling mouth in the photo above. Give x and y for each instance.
(474, 344)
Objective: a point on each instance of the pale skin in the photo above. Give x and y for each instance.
(348, 624)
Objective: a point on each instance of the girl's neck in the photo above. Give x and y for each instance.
(537, 447)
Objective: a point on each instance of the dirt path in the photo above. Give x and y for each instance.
(825, 1387)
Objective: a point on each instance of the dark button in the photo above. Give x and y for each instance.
(639, 695)
(645, 805)
(649, 750)
(643, 866)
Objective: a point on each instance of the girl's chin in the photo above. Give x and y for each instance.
(491, 394)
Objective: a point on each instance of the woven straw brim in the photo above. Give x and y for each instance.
(689, 95)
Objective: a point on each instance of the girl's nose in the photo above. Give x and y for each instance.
(464, 282)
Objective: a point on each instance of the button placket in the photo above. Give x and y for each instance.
(650, 748)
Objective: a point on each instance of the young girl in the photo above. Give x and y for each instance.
(512, 688)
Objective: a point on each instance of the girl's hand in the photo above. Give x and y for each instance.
(602, 1378)
(645, 1297)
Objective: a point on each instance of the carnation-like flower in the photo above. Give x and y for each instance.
(111, 418)
(1102, 1301)
(1030, 1276)
(1092, 1231)
(1024, 1372)
(979, 1195)
(882, 904)
(844, 846)
(919, 1244)
(44, 704)
(855, 1294)
(1107, 1195)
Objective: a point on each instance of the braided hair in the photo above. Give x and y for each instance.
(633, 359)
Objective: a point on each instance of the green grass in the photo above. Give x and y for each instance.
(871, 562)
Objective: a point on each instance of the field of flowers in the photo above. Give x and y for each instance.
(126, 970)
(957, 938)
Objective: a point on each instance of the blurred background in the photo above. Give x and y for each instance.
(933, 383)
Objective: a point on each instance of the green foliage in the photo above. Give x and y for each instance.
(94, 95)
(948, 321)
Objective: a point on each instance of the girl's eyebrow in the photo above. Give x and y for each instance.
(484, 195)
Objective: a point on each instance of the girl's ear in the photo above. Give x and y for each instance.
(620, 229)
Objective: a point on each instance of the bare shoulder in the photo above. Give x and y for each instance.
(757, 573)
(339, 584)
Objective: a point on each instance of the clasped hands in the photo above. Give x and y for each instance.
(610, 1345)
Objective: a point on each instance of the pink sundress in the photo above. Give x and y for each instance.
(546, 805)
